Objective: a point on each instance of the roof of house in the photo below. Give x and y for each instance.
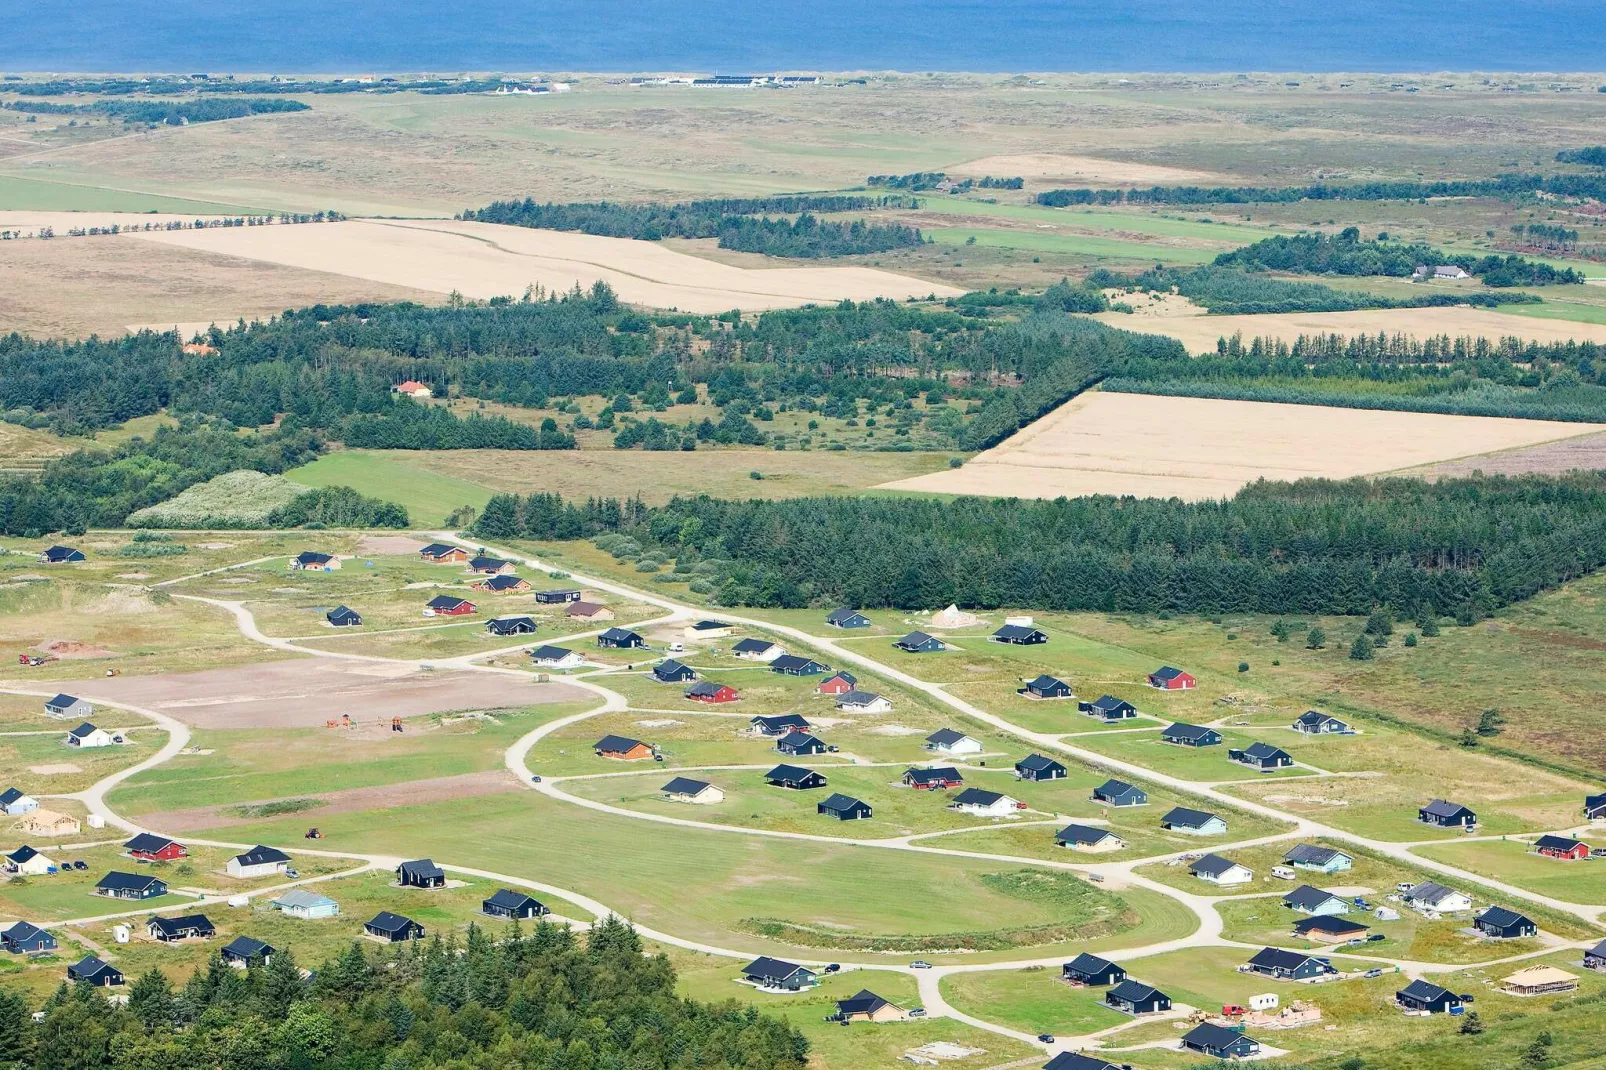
(1316, 717)
(1015, 631)
(709, 626)
(10, 795)
(1213, 864)
(800, 741)
(435, 549)
(1183, 730)
(422, 867)
(387, 922)
(1426, 991)
(1131, 991)
(1443, 808)
(248, 947)
(1263, 751)
(83, 730)
(1534, 976)
(1599, 950)
(841, 614)
(857, 698)
(23, 854)
(671, 668)
(1181, 815)
(502, 583)
(19, 931)
(59, 553)
(619, 635)
(1430, 892)
(446, 601)
(1046, 682)
(1074, 833)
(1331, 924)
(1085, 963)
(1558, 843)
(343, 611)
(978, 797)
(611, 744)
(312, 557)
(550, 653)
(62, 701)
(508, 899)
(1037, 763)
(751, 646)
(1276, 958)
(301, 899)
(789, 772)
(1592, 801)
(117, 880)
(1116, 787)
(706, 688)
(1205, 1035)
(482, 561)
(174, 926)
(781, 720)
(1107, 702)
(1075, 1060)
(838, 801)
(1312, 854)
(914, 639)
(841, 674)
(1504, 917)
(795, 662)
(1166, 672)
(260, 855)
(946, 737)
(780, 969)
(863, 1001)
(684, 785)
(582, 609)
(90, 966)
(941, 772)
(1306, 897)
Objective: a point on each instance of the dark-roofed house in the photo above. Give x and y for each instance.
(1437, 898)
(708, 629)
(118, 885)
(920, 643)
(445, 605)
(952, 741)
(844, 808)
(147, 847)
(440, 551)
(1108, 708)
(25, 938)
(1314, 856)
(1193, 822)
(1135, 997)
(1219, 1042)
(1168, 679)
(795, 777)
(87, 736)
(1595, 957)
(780, 724)
(556, 657)
(1315, 723)
(1561, 847)
(93, 971)
(795, 743)
(558, 596)
(621, 748)
(1426, 996)
(1310, 900)
(757, 649)
(857, 701)
(777, 973)
(1289, 965)
(1218, 870)
(308, 561)
(1262, 756)
(839, 683)
(60, 555)
(1446, 814)
(673, 672)
(1120, 793)
(244, 950)
(392, 928)
(1190, 735)
(510, 626)
(420, 873)
(1092, 971)
(1500, 923)
(506, 583)
(506, 903)
(1329, 929)
(847, 618)
(865, 1006)
(27, 862)
(1075, 1060)
(938, 779)
(1595, 806)
(712, 693)
(343, 617)
(1019, 635)
(620, 639)
(1088, 838)
(489, 566)
(982, 803)
(1046, 687)
(259, 861)
(14, 803)
(189, 926)
(1037, 767)
(65, 706)
(686, 789)
(796, 665)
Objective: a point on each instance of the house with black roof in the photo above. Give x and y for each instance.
(1552, 846)
(1088, 838)
(1309, 900)
(1501, 923)
(1595, 957)
(60, 555)
(118, 885)
(1092, 971)
(1167, 678)
(690, 790)
(1218, 870)
(556, 657)
(794, 777)
(1075, 1060)
(14, 803)
(779, 724)
(343, 617)
(920, 643)
(708, 629)
(1191, 735)
(769, 972)
(796, 665)
(310, 561)
(442, 551)
(713, 693)
(506, 583)
(1314, 723)
(857, 701)
(673, 672)
(25, 938)
(1317, 857)
(1426, 996)
(392, 928)
(420, 873)
(65, 706)
(980, 802)
(1594, 806)
(839, 683)
(1108, 708)
(757, 649)
(952, 741)
(865, 1006)
(844, 808)
(621, 748)
(95, 972)
(1283, 965)
(1020, 635)
(557, 596)
(1037, 767)
(800, 743)
(1433, 897)
(1193, 822)
(1261, 756)
(1120, 793)
(1219, 1042)
(505, 626)
(1329, 928)
(1046, 687)
(259, 861)
(1135, 997)
(486, 565)
(446, 605)
(1445, 814)
(186, 927)
(847, 618)
(620, 639)
(244, 950)
(935, 779)
(506, 903)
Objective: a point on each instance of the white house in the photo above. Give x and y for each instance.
(26, 862)
(300, 903)
(687, 790)
(1218, 870)
(863, 702)
(952, 741)
(982, 803)
(557, 657)
(259, 861)
(1430, 897)
(14, 803)
(87, 735)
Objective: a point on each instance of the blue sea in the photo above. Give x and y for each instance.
(742, 36)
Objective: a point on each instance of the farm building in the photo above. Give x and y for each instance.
(685, 789)
(865, 1006)
(259, 861)
(621, 639)
(1313, 723)
(794, 665)
(1120, 793)
(838, 684)
(1135, 997)
(673, 672)
(1539, 981)
(1219, 870)
(1309, 900)
(309, 561)
(412, 388)
(1193, 822)
(443, 552)
(27, 862)
(1046, 687)
(1088, 838)
(779, 724)
(1499, 923)
(1595, 957)
(1108, 708)
(1432, 897)
(1191, 735)
(1426, 996)
(710, 692)
(952, 741)
(708, 629)
(622, 748)
(939, 778)
(392, 928)
(920, 643)
(1075, 1060)
(300, 903)
(244, 950)
(489, 566)
(556, 657)
(757, 650)
(1092, 971)
(844, 808)
(60, 555)
(1561, 847)
(88, 736)
(343, 617)
(148, 847)
(506, 903)
(847, 618)
(585, 611)
(505, 583)
(420, 873)
(863, 702)
(794, 777)
(557, 597)
(14, 803)
(1289, 965)
(187, 927)
(1329, 929)
(796, 743)
(119, 885)
(1036, 767)
(24, 938)
(980, 803)
(1261, 756)
(777, 973)
(1445, 814)
(1219, 1042)
(506, 626)
(1019, 635)
(65, 706)
(445, 605)
(1322, 859)
(1168, 679)
(93, 971)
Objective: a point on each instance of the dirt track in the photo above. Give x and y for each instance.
(307, 692)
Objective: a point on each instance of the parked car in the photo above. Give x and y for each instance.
(917, 1012)
(536, 779)
(920, 964)
(1046, 1038)
(1373, 973)
(80, 864)
(833, 967)
(1375, 937)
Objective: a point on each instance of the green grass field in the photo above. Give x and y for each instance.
(45, 195)
(1512, 862)
(1083, 246)
(397, 477)
(1033, 1000)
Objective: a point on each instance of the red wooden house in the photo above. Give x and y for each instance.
(1168, 679)
(840, 684)
(149, 848)
(710, 692)
(447, 606)
(1561, 847)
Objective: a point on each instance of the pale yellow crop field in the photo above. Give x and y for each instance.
(484, 260)
(1198, 448)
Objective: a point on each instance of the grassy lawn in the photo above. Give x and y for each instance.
(1080, 245)
(44, 195)
(392, 475)
(1033, 1000)
(1512, 862)
(71, 769)
(1378, 874)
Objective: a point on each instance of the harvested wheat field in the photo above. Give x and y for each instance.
(1197, 448)
(483, 260)
(1199, 333)
(1037, 168)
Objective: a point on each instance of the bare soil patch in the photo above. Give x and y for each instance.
(71, 649)
(309, 692)
(385, 545)
(1586, 452)
(1040, 168)
(54, 769)
(1199, 448)
(411, 793)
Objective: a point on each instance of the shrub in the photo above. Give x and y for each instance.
(1243, 666)
(1361, 649)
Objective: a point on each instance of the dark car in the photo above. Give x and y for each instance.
(80, 864)
(1376, 937)
(833, 967)
(1046, 1038)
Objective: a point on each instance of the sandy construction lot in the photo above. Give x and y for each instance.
(1040, 168)
(307, 692)
(1198, 448)
(483, 260)
(1199, 333)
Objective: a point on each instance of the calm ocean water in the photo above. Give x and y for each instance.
(736, 36)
